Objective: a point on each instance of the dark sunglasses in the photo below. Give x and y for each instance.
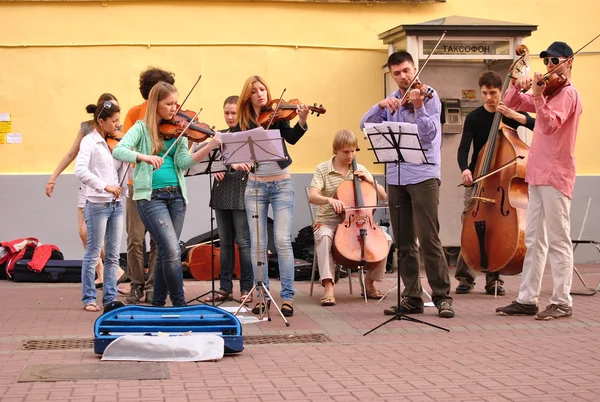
(554, 60)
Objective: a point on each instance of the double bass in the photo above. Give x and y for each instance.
(493, 232)
(358, 241)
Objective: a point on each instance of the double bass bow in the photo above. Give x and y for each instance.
(358, 241)
(493, 232)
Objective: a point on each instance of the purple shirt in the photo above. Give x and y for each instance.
(428, 124)
(551, 160)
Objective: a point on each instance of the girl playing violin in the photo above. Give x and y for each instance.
(102, 177)
(136, 232)
(270, 183)
(86, 128)
(159, 187)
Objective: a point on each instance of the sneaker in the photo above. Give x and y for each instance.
(493, 290)
(135, 294)
(554, 311)
(407, 306)
(516, 308)
(463, 289)
(445, 310)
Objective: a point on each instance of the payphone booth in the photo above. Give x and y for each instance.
(470, 47)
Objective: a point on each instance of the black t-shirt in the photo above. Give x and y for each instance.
(477, 129)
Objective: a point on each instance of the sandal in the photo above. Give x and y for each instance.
(287, 309)
(91, 307)
(260, 306)
(374, 294)
(327, 301)
(248, 300)
(220, 296)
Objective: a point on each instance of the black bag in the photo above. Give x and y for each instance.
(304, 246)
(302, 268)
(53, 271)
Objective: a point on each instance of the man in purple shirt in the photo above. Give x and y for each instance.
(551, 178)
(416, 197)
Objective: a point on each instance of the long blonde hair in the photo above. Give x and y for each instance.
(158, 92)
(245, 109)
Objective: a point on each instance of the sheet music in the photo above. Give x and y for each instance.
(267, 146)
(202, 167)
(379, 135)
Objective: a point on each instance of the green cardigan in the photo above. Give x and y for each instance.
(138, 138)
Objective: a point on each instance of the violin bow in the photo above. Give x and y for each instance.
(188, 95)
(403, 99)
(566, 60)
(276, 109)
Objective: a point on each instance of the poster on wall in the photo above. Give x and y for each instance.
(5, 126)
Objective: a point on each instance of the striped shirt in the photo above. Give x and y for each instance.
(327, 180)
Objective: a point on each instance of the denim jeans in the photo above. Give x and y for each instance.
(232, 225)
(163, 217)
(104, 223)
(280, 195)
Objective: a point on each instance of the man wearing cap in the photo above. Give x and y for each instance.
(551, 177)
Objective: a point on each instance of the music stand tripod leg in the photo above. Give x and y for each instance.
(212, 258)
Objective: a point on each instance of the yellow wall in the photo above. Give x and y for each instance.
(55, 58)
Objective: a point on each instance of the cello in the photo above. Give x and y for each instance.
(493, 232)
(358, 241)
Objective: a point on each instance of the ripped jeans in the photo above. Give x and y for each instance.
(163, 217)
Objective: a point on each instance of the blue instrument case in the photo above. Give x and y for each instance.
(148, 321)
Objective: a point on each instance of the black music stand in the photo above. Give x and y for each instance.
(254, 146)
(210, 164)
(397, 143)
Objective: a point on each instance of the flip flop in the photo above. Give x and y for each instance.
(374, 294)
(91, 308)
(327, 301)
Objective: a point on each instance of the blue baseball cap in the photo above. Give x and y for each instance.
(557, 49)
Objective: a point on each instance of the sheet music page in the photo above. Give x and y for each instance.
(409, 138)
(267, 146)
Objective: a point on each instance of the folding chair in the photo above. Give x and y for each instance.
(315, 263)
(577, 243)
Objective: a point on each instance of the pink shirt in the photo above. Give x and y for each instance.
(551, 160)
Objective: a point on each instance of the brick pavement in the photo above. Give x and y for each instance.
(485, 357)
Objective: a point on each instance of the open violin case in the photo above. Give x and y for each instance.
(53, 271)
(175, 321)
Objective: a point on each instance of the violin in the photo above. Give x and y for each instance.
(197, 131)
(112, 140)
(426, 92)
(281, 110)
(554, 82)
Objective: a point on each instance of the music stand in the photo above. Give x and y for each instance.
(211, 163)
(254, 146)
(397, 143)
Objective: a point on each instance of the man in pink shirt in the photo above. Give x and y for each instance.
(551, 177)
